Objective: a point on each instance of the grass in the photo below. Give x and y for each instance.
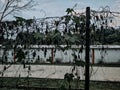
(13, 83)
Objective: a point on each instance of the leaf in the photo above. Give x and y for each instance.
(19, 18)
(39, 35)
(68, 77)
(56, 34)
(67, 19)
(67, 37)
(76, 19)
(73, 39)
(34, 54)
(69, 10)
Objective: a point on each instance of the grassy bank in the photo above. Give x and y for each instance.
(32, 83)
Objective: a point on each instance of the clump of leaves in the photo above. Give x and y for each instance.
(69, 77)
(69, 10)
(34, 54)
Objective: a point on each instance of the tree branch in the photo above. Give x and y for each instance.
(11, 6)
(5, 9)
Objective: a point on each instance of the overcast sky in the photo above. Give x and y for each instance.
(48, 8)
(58, 7)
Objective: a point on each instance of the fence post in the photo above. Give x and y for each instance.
(52, 53)
(87, 58)
(93, 56)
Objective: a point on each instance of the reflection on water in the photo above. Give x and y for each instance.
(110, 55)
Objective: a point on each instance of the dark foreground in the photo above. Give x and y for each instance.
(53, 84)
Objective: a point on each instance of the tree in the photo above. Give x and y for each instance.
(8, 7)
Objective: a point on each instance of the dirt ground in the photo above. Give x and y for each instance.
(58, 72)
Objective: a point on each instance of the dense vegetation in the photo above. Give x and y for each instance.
(68, 30)
(110, 36)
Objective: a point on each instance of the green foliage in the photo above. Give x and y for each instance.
(19, 18)
(69, 10)
(68, 77)
(73, 32)
(38, 35)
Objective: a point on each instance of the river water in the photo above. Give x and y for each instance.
(108, 55)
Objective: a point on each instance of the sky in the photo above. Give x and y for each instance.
(46, 8)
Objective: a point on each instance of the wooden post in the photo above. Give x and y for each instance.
(87, 49)
(93, 56)
(52, 55)
(14, 56)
